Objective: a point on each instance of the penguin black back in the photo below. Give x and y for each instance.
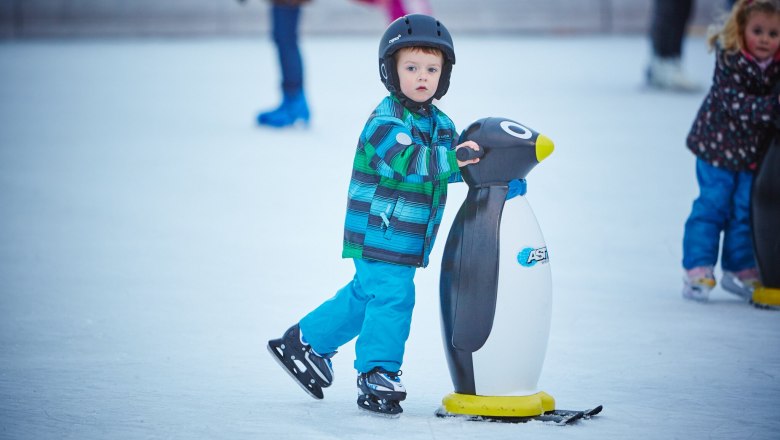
(765, 214)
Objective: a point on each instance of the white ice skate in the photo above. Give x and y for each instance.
(698, 282)
(741, 283)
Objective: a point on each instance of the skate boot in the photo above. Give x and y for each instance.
(741, 283)
(667, 74)
(698, 282)
(380, 391)
(312, 371)
(292, 109)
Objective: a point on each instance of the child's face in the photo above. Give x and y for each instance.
(762, 35)
(419, 73)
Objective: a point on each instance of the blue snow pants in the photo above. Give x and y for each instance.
(376, 306)
(723, 206)
(285, 34)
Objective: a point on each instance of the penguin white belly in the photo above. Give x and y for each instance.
(511, 360)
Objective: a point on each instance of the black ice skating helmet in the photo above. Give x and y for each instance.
(415, 30)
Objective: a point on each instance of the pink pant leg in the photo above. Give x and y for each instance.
(399, 8)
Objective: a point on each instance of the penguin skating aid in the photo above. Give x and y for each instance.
(496, 286)
(765, 216)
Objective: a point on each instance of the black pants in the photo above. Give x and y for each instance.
(667, 28)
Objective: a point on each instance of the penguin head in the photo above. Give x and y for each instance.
(511, 151)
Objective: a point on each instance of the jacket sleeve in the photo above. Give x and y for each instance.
(456, 176)
(736, 100)
(393, 154)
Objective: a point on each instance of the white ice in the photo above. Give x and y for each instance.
(152, 239)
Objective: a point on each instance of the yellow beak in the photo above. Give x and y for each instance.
(544, 147)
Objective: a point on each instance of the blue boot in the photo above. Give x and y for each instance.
(292, 109)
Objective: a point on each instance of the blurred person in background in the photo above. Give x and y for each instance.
(667, 33)
(285, 17)
(399, 8)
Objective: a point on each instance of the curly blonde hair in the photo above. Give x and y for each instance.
(730, 34)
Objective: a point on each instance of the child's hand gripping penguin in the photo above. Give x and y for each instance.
(496, 286)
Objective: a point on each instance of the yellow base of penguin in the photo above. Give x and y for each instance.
(766, 297)
(498, 406)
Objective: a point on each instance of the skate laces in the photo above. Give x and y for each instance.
(394, 377)
(321, 363)
(380, 379)
(701, 277)
(311, 349)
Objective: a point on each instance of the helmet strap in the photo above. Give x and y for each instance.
(412, 105)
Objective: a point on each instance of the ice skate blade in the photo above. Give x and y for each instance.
(379, 414)
(316, 392)
(383, 408)
(554, 417)
(696, 299)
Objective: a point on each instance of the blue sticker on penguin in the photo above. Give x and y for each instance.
(530, 256)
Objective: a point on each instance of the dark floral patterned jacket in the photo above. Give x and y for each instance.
(734, 124)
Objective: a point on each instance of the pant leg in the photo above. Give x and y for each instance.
(737, 253)
(285, 35)
(336, 321)
(709, 215)
(394, 9)
(376, 306)
(668, 25)
(388, 317)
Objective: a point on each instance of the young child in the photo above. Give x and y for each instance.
(404, 160)
(731, 131)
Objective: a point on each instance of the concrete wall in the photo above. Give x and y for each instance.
(74, 18)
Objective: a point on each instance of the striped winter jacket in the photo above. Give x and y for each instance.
(403, 163)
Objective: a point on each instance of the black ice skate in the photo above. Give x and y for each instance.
(312, 371)
(381, 391)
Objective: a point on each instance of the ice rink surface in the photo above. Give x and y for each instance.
(152, 239)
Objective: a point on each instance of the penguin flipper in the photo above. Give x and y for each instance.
(477, 276)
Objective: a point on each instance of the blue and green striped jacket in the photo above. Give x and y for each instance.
(403, 163)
